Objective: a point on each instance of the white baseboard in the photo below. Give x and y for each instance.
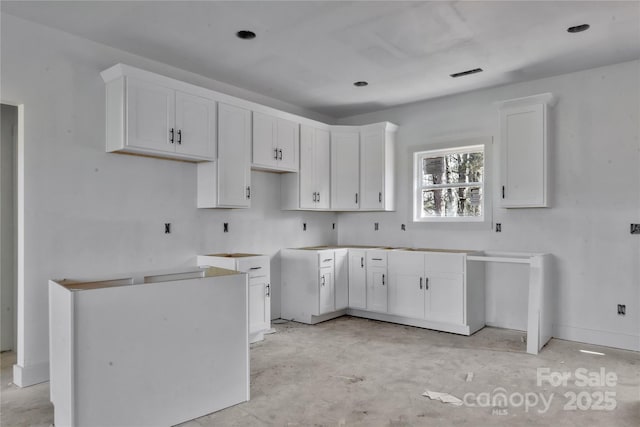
(24, 376)
(598, 337)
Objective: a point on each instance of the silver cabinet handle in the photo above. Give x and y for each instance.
(280, 154)
(361, 262)
(323, 280)
(180, 136)
(356, 198)
(426, 283)
(376, 259)
(171, 135)
(275, 155)
(315, 199)
(268, 289)
(255, 268)
(383, 280)
(318, 196)
(421, 283)
(248, 192)
(380, 197)
(326, 259)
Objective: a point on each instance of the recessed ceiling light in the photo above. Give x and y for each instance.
(466, 73)
(246, 34)
(361, 83)
(578, 28)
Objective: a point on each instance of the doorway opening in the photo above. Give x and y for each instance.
(8, 227)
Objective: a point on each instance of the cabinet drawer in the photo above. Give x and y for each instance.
(444, 263)
(255, 266)
(325, 259)
(376, 259)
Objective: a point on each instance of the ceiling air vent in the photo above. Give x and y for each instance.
(466, 73)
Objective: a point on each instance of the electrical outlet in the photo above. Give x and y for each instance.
(403, 227)
(622, 309)
(635, 228)
(225, 227)
(375, 226)
(304, 226)
(167, 228)
(498, 227)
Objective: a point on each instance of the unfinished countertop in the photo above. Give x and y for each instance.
(144, 278)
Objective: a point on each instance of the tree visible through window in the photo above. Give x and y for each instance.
(449, 184)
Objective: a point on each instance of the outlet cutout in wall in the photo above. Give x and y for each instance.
(375, 226)
(635, 228)
(304, 226)
(622, 309)
(225, 227)
(498, 227)
(167, 228)
(403, 227)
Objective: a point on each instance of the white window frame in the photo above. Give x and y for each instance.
(418, 187)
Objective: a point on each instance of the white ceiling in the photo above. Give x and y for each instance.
(310, 53)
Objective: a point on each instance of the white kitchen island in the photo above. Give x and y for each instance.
(148, 349)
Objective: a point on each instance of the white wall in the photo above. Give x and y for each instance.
(594, 179)
(90, 213)
(9, 117)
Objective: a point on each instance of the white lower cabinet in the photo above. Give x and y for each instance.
(257, 268)
(406, 284)
(432, 286)
(313, 284)
(432, 289)
(377, 280)
(357, 279)
(341, 278)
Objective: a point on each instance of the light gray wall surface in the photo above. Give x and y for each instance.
(594, 172)
(90, 213)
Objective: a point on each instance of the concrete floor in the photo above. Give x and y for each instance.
(352, 371)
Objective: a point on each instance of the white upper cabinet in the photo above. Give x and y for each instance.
(226, 183)
(377, 171)
(234, 166)
(310, 188)
(524, 151)
(345, 169)
(147, 118)
(195, 125)
(275, 143)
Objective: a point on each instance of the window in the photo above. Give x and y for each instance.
(449, 184)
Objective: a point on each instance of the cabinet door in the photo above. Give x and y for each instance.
(322, 158)
(372, 170)
(444, 298)
(259, 318)
(307, 168)
(287, 142)
(150, 116)
(327, 296)
(195, 132)
(234, 167)
(523, 152)
(264, 147)
(377, 290)
(406, 284)
(341, 278)
(345, 170)
(357, 280)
